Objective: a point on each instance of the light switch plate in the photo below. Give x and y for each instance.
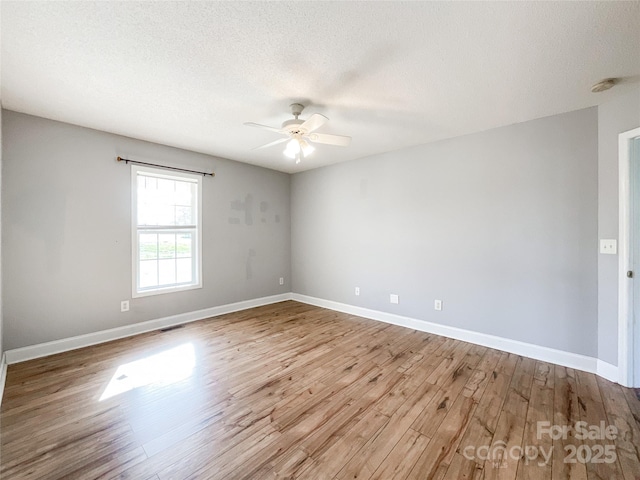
(609, 247)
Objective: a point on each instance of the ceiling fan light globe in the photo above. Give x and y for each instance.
(308, 149)
(293, 145)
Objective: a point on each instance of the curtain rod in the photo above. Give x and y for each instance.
(135, 162)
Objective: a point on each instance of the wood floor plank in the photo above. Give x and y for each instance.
(566, 413)
(436, 458)
(214, 440)
(403, 457)
(627, 436)
(592, 411)
(204, 464)
(479, 433)
(536, 462)
(293, 391)
(373, 453)
(439, 453)
(452, 381)
(332, 460)
(510, 428)
(633, 400)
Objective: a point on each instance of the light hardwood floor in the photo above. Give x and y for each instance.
(295, 391)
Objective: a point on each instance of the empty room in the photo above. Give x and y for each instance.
(319, 240)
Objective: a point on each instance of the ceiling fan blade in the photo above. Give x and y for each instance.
(280, 140)
(264, 127)
(328, 139)
(314, 121)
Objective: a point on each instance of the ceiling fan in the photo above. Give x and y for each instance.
(299, 133)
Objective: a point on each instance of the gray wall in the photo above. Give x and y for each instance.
(66, 241)
(619, 115)
(1, 292)
(500, 225)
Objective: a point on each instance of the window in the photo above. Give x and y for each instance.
(166, 228)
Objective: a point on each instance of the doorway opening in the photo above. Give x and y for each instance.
(629, 260)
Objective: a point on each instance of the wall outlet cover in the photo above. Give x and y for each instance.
(394, 298)
(608, 246)
(124, 306)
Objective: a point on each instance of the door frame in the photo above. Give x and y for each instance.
(626, 361)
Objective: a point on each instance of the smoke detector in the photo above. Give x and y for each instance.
(603, 85)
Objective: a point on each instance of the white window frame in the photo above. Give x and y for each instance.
(135, 248)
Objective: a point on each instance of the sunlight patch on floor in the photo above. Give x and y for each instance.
(164, 368)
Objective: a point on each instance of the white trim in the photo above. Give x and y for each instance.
(3, 375)
(546, 354)
(58, 346)
(606, 370)
(559, 357)
(625, 312)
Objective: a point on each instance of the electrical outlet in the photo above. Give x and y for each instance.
(281, 281)
(393, 298)
(437, 305)
(357, 291)
(124, 306)
(608, 246)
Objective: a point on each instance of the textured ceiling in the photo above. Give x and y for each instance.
(388, 74)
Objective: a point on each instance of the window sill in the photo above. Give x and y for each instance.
(161, 291)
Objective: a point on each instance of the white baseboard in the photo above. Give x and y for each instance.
(608, 371)
(537, 352)
(546, 354)
(3, 374)
(58, 346)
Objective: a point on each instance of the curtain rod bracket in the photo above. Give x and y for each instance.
(135, 162)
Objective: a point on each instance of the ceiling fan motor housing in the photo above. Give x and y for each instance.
(302, 130)
(293, 126)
